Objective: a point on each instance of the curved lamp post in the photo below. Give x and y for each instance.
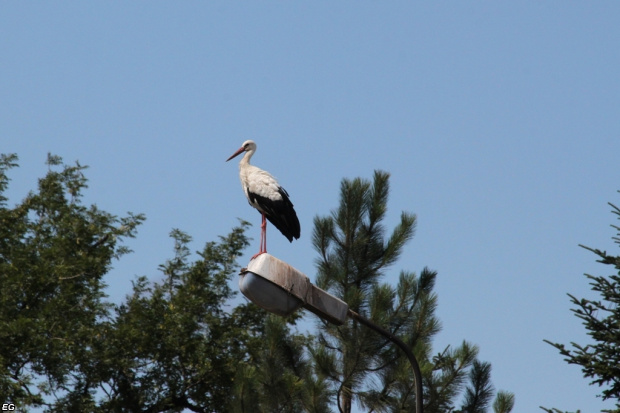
(279, 288)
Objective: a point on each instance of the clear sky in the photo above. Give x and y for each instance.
(499, 122)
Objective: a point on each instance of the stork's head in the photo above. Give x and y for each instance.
(247, 146)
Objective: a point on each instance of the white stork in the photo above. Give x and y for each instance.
(265, 194)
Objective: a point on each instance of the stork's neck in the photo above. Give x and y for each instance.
(246, 159)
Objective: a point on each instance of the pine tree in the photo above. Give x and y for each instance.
(600, 360)
(504, 402)
(354, 255)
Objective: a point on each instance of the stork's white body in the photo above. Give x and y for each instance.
(256, 181)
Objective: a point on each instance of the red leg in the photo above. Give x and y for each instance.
(260, 249)
(263, 237)
(264, 231)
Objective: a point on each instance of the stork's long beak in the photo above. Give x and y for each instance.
(236, 153)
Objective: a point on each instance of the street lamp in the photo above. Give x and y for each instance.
(281, 289)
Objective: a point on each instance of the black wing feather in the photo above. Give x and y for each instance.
(280, 213)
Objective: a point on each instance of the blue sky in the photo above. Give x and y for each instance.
(497, 120)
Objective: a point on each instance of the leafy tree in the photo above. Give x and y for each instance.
(174, 345)
(54, 252)
(354, 254)
(601, 318)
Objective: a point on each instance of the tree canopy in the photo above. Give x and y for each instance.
(54, 253)
(185, 343)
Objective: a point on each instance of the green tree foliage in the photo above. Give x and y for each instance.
(172, 346)
(279, 378)
(179, 344)
(54, 252)
(504, 402)
(600, 360)
(175, 347)
(361, 366)
(183, 343)
(479, 392)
